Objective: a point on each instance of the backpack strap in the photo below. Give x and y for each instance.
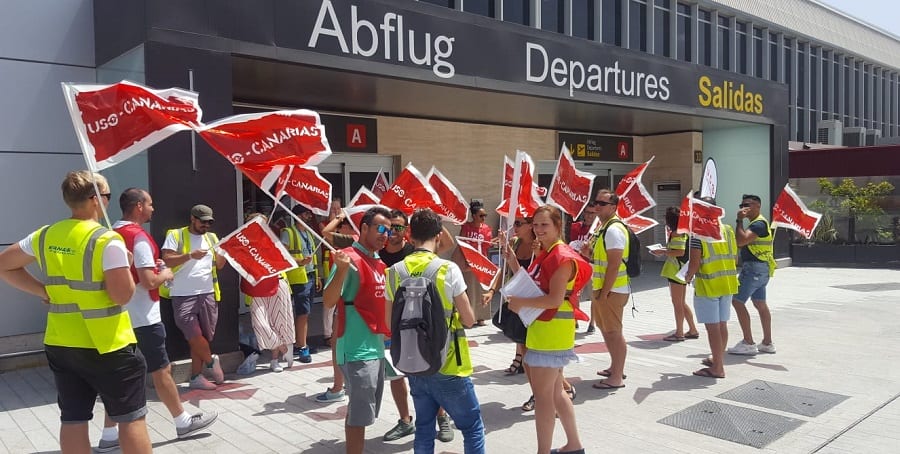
(432, 269)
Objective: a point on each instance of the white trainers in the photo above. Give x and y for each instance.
(214, 372)
(766, 348)
(275, 366)
(742, 348)
(289, 355)
(200, 382)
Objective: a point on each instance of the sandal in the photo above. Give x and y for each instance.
(529, 404)
(571, 393)
(516, 366)
(692, 335)
(673, 338)
(605, 373)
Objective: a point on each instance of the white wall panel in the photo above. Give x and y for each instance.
(33, 113)
(50, 31)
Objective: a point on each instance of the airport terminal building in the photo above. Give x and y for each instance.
(457, 84)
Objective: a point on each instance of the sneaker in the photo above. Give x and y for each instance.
(328, 396)
(275, 366)
(401, 430)
(590, 329)
(445, 433)
(214, 372)
(304, 355)
(200, 382)
(766, 348)
(199, 422)
(107, 445)
(742, 348)
(289, 356)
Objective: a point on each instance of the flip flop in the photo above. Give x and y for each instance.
(605, 373)
(602, 384)
(707, 372)
(692, 336)
(673, 338)
(707, 362)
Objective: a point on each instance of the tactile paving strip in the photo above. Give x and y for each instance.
(790, 399)
(732, 423)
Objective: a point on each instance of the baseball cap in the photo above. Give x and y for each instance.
(202, 212)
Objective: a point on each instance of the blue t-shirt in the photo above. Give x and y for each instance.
(759, 228)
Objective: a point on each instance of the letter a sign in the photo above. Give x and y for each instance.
(356, 135)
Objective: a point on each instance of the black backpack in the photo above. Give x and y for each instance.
(420, 334)
(633, 264)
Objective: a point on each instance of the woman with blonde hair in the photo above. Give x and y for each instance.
(551, 337)
(271, 314)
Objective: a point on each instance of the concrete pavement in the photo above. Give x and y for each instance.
(836, 330)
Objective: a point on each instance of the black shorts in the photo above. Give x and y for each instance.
(81, 374)
(152, 344)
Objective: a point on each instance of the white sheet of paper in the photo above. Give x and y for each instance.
(656, 247)
(683, 271)
(522, 285)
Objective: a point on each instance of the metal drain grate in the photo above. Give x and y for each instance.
(873, 287)
(790, 399)
(732, 423)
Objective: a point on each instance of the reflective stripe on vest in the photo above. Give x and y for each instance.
(185, 248)
(672, 266)
(81, 313)
(600, 260)
(761, 248)
(557, 334)
(717, 275)
(297, 275)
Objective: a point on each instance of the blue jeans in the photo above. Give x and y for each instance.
(456, 395)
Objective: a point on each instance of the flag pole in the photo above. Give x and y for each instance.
(74, 112)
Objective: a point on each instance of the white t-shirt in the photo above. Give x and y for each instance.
(194, 277)
(615, 238)
(115, 255)
(143, 310)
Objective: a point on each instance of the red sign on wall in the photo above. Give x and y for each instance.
(356, 135)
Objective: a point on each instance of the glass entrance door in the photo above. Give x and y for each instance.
(348, 172)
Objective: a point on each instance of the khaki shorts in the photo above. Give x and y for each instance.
(608, 314)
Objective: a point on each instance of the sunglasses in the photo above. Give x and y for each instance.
(398, 227)
(106, 196)
(744, 205)
(209, 222)
(520, 223)
(602, 203)
(382, 229)
(482, 216)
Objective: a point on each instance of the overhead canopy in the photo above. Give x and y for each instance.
(845, 162)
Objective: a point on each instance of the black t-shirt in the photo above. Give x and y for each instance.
(759, 228)
(390, 258)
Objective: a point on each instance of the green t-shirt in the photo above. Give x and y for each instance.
(358, 343)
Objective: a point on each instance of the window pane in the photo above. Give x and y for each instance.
(552, 15)
(815, 87)
(788, 44)
(447, 3)
(661, 34)
(612, 22)
(583, 18)
(704, 38)
(742, 56)
(800, 98)
(482, 7)
(517, 11)
(637, 26)
(684, 32)
(724, 43)
(757, 53)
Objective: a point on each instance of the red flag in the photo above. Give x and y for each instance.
(364, 197)
(410, 191)
(381, 185)
(703, 219)
(283, 137)
(115, 122)
(633, 196)
(527, 199)
(508, 165)
(263, 175)
(355, 214)
(307, 187)
(255, 252)
(639, 224)
(485, 270)
(790, 212)
(684, 216)
(451, 204)
(570, 189)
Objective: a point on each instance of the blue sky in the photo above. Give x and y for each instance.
(882, 13)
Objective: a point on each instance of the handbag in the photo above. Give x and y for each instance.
(510, 324)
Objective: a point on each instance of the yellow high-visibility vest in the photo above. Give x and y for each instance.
(717, 275)
(761, 248)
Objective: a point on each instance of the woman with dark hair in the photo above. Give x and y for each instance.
(675, 258)
(551, 337)
(476, 229)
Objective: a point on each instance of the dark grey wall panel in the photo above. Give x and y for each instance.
(118, 27)
(48, 31)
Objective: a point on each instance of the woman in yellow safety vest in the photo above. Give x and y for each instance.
(676, 256)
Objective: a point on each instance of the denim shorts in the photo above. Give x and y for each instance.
(552, 359)
(712, 309)
(752, 282)
(303, 296)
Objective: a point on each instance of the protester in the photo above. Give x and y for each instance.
(713, 270)
(451, 388)
(676, 257)
(551, 343)
(611, 287)
(476, 229)
(143, 309)
(195, 292)
(304, 280)
(358, 294)
(757, 266)
(89, 340)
